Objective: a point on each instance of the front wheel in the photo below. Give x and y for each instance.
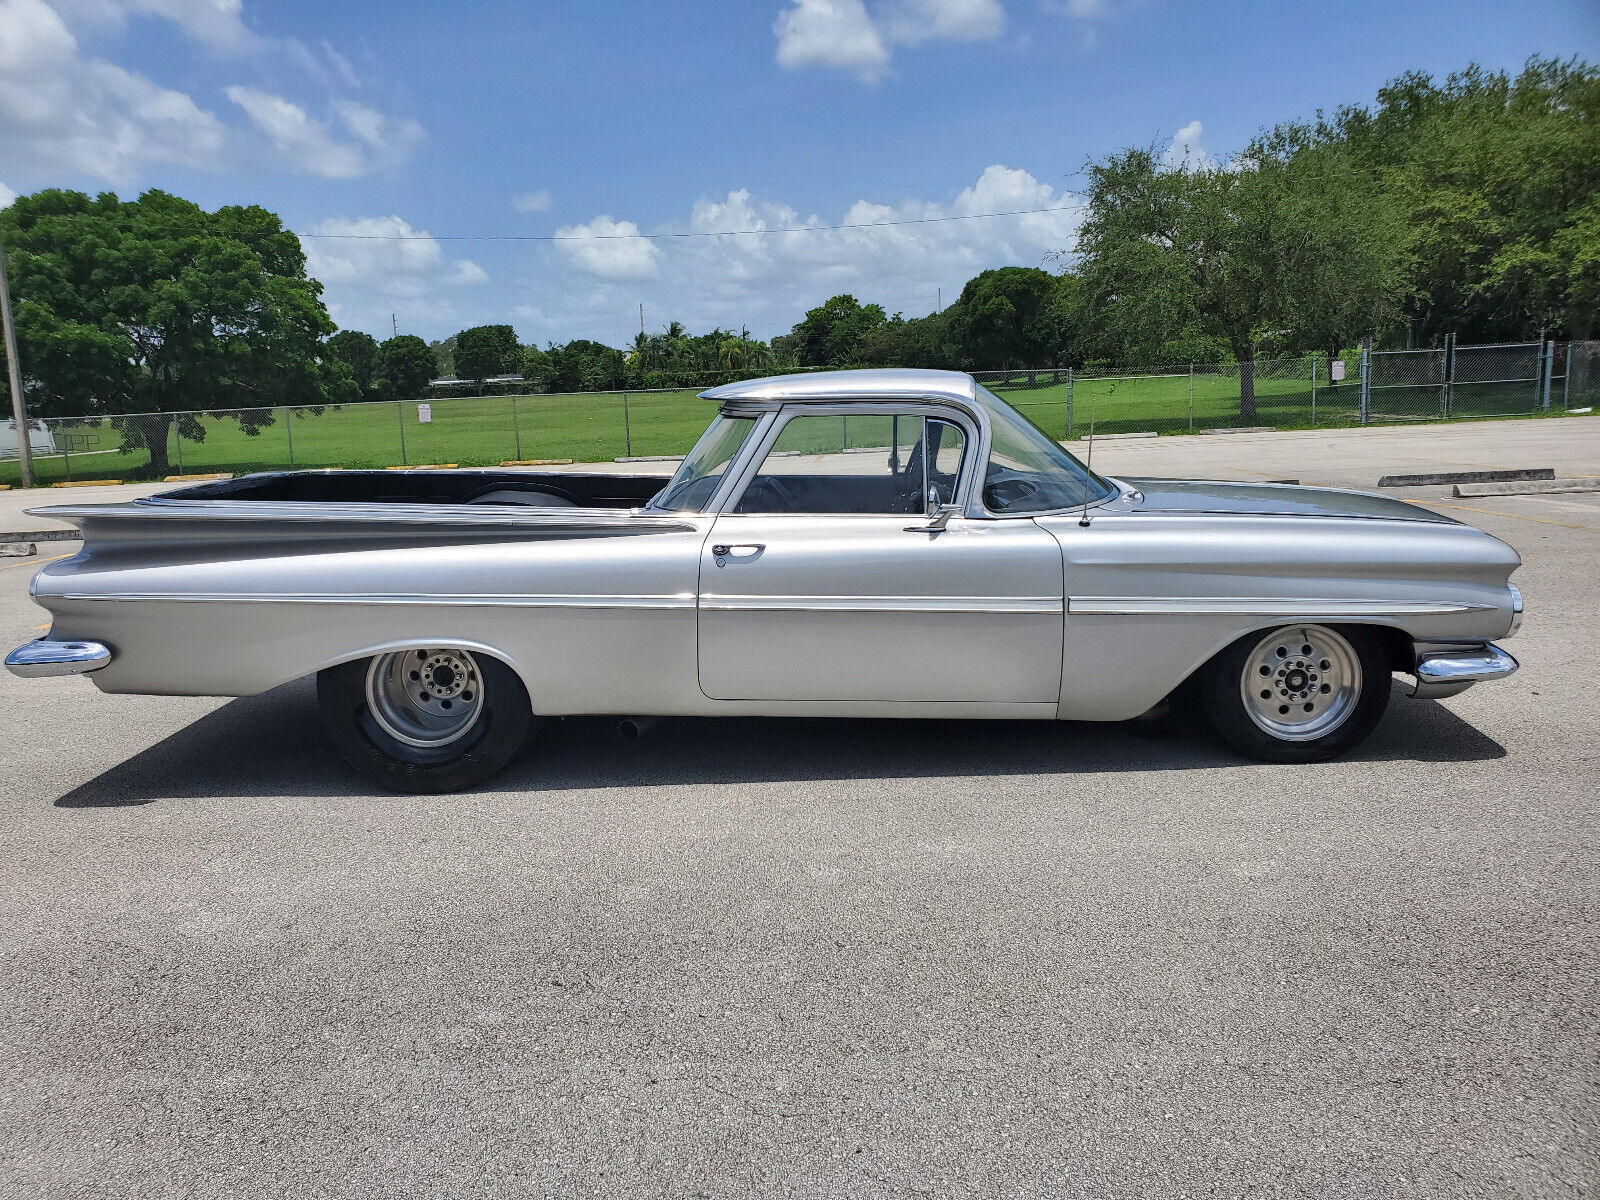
(431, 720)
(1300, 693)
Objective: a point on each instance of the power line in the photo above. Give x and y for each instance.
(717, 233)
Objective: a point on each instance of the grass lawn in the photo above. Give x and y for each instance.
(600, 426)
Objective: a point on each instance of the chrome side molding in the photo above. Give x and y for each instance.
(1443, 673)
(45, 657)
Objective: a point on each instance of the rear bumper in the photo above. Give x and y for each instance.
(45, 657)
(1447, 672)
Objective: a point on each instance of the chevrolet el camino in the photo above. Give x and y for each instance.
(855, 543)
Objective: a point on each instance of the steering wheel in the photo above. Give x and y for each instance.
(771, 490)
(1003, 493)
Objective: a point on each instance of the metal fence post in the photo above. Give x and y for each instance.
(1191, 397)
(1566, 380)
(1549, 368)
(516, 430)
(400, 411)
(288, 429)
(1314, 389)
(66, 446)
(627, 426)
(1447, 399)
(177, 440)
(1069, 402)
(1366, 380)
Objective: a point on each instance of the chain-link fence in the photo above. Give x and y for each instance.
(1280, 393)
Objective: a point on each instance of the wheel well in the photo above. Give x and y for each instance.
(1397, 645)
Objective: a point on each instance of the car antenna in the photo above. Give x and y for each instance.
(1088, 471)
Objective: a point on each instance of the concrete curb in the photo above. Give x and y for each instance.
(1437, 477)
(42, 535)
(1115, 437)
(1237, 429)
(1536, 488)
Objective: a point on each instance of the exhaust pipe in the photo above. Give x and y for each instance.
(634, 728)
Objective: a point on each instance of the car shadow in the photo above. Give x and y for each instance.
(273, 745)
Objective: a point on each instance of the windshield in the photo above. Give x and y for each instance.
(1027, 471)
(691, 488)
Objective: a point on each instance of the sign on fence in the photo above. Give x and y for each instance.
(424, 414)
(1338, 370)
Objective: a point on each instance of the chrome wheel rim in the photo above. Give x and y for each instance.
(1301, 682)
(425, 698)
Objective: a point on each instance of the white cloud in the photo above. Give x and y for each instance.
(914, 21)
(308, 144)
(1083, 10)
(1185, 152)
(382, 265)
(7, 195)
(532, 202)
(831, 33)
(64, 111)
(610, 249)
(848, 35)
(217, 25)
(769, 280)
(60, 109)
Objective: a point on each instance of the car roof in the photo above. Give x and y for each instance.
(833, 386)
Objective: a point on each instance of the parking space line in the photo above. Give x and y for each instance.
(1494, 512)
(34, 561)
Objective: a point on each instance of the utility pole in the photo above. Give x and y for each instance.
(641, 320)
(394, 323)
(938, 303)
(19, 411)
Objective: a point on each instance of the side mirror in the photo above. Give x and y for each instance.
(938, 517)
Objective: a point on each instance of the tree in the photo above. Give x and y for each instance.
(487, 350)
(1168, 250)
(144, 310)
(404, 369)
(444, 354)
(832, 333)
(1347, 258)
(359, 353)
(579, 366)
(1010, 317)
(1498, 176)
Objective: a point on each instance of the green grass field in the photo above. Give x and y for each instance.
(600, 426)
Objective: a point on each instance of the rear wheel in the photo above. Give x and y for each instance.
(436, 719)
(1298, 694)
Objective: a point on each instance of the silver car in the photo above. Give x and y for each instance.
(855, 543)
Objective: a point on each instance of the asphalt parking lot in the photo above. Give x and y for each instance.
(815, 958)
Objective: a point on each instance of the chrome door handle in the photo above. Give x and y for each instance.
(738, 550)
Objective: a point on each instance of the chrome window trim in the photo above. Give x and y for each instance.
(889, 406)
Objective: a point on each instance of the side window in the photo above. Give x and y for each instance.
(871, 463)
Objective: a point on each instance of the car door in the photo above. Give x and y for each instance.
(825, 580)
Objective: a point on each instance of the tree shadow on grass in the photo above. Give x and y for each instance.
(273, 745)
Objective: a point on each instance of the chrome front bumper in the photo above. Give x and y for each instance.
(1447, 672)
(45, 657)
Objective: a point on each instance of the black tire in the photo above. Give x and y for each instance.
(499, 733)
(1222, 700)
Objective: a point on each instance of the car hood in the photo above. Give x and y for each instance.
(1271, 499)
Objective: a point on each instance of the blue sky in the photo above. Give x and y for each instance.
(612, 117)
